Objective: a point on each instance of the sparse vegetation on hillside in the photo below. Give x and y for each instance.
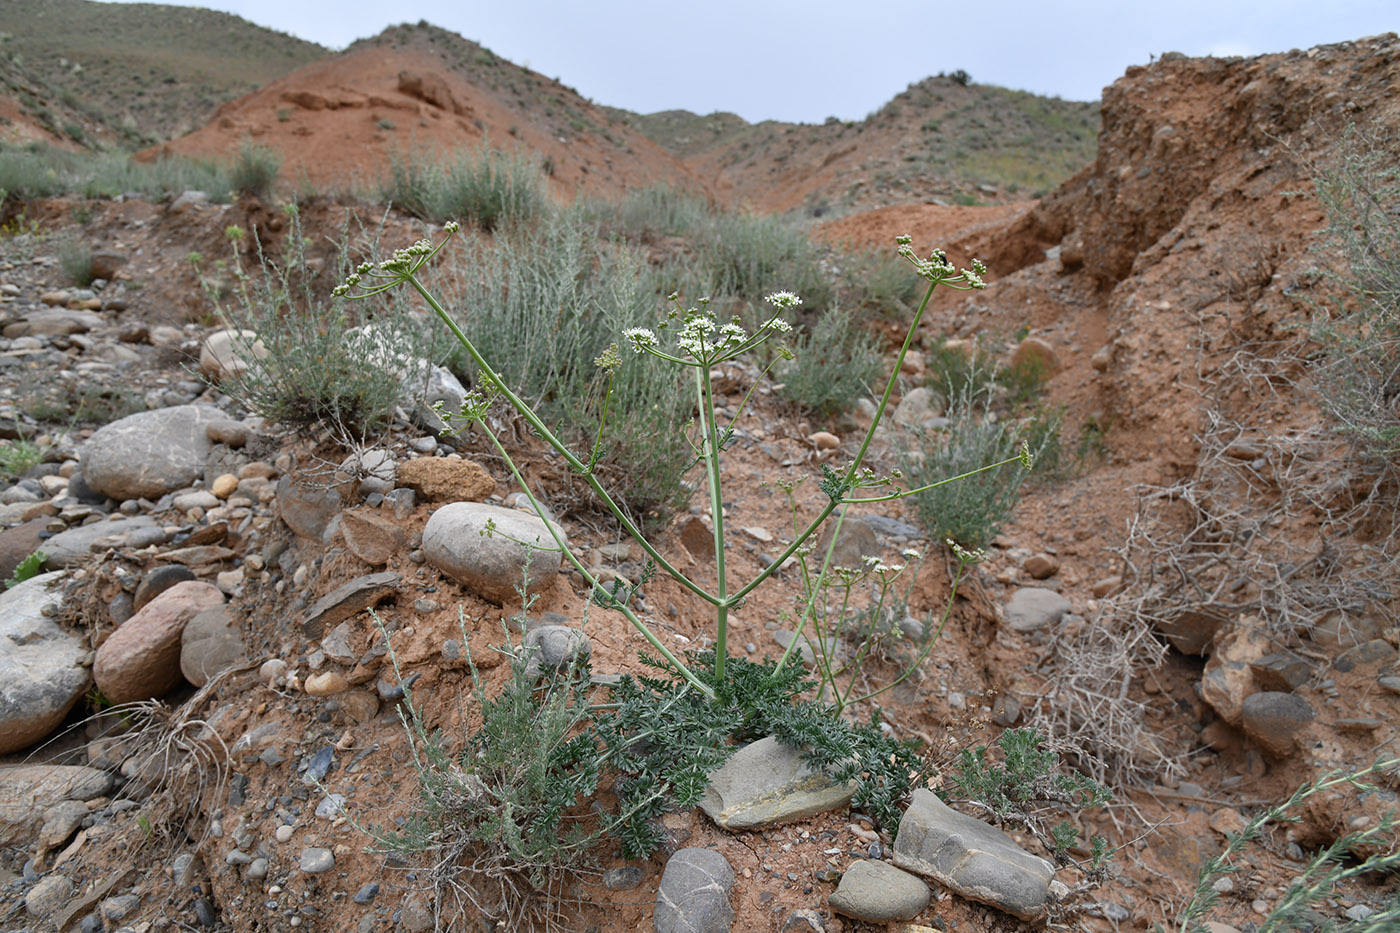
(147, 72)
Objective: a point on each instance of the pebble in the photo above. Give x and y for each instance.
(257, 870)
(367, 893)
(224, 485)
(205, 913)
(284, 833)
(316, 861)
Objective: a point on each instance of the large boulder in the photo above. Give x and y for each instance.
(141, 659)
(456, 542)
(149, 453)
(41, 670)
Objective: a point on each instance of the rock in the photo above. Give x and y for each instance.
(1031, 608)
(1342, 630)
(623, 878)
(1036, 358)
(445, 479)
(1106, 586)
(347, 600)
(422, 385)
(1274, 720)
(48, 896)
(455, 542)
(228, 432)
(553, 647)
(211, 642)
(316, 861)
(374, 469)
(41, 670)
(1375, 653)
(149, 453)
(370, 536)
(857, 541)
(917, 407)
(159, 580)
(693, 896)
(61, 821)
(698, 537)
(226, 354)
(53, 322)
(824, 440)
(106, 262)
(766, 783)
(76, 544)
(326, 683)
(1042, 566)
(307, 510)
(1193, 630)
(224, 485)
(336, 645)
(975, 860)
(359, 705)
(27, 791)
(1280, 671)
(141, 659)
(879, 893)
(1228, 676)
(19, 542)
(807, 921)
(367, 893)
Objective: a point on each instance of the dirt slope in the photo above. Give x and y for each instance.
(338, 122)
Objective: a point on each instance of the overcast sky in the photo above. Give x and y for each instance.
(804, 61)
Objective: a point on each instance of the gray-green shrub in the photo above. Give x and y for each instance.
(486, 188)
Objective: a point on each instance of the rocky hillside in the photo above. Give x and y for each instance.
(944, 139)
(135, 73)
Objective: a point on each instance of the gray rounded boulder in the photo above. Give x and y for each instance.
(41, 671)
(149, 453)
(456, 542)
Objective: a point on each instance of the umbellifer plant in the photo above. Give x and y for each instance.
(699, 342)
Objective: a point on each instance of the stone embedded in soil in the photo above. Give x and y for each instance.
(307, 510)
(149, 453)
(349, 599)
(157, 581)
(917, 406)
(1280, 671)
(1193, 630)
(879, 892)
(326, 683)
(210, 643)
(1032, 607)
(623, 878)
(41, 666)
(693, 896)
(141, 659)
(491, 565)
(1375, 653)
(48, 896)
(75, 544)
(1042, 566)
(316, 861)
(766, 783)
(552, 647)
(28, 790)
(975, 860)
(1275, 719)
(1036, 357)
(446, 479)
(370, 536)
(367, 893)
(856, 541)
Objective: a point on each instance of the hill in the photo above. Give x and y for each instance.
(136, 73)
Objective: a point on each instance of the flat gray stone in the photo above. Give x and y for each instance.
(455, 542)
(879, 892)
(857, 541)
(316, 860)
(693, 896)
(766, 784)
(41, 671)
(149, 453)
(978, 861)
(74, 545)
(48, 896)
(1033, 607)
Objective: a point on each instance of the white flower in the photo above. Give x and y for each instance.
(783, 300)
(912, 553)
(779, 325)
(639, 338)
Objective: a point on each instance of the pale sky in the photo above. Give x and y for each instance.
(804, 61)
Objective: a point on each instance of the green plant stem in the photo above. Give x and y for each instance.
(709, 450)
(593, 583)
(549, 438)
(930, 641)
(903, 494)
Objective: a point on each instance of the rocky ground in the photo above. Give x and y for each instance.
(197, 557)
